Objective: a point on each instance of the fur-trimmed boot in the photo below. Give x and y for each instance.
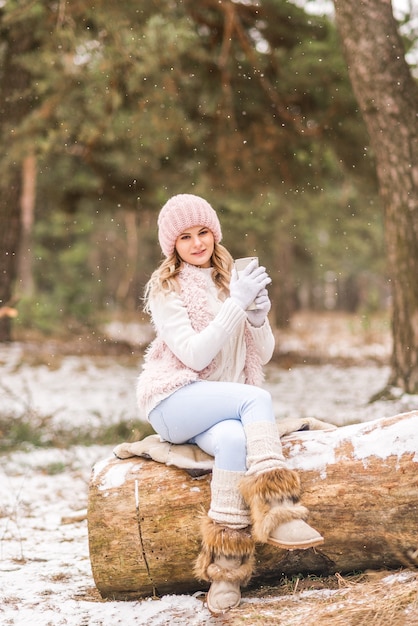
(272, 491)
(226, 559)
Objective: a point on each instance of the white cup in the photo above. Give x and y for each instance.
(240, 265)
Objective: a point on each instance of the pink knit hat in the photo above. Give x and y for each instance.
(182, 212)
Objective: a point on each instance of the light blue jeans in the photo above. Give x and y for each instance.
(212, 415)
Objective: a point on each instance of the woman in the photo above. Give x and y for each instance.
(201, 384)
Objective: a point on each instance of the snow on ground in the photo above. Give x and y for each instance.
(339, 395)
(45, 571)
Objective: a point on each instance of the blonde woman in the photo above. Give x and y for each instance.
(201, 384)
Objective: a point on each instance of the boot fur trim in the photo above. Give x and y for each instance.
(277, 484)
(221, 541)
(273, 500)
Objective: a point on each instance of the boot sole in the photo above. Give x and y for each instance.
(296, 546)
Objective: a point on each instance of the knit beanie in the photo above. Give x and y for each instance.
(182, 212)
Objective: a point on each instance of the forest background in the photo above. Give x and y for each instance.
(115, 108)
(106, 110)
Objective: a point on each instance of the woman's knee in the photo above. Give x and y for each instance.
(230, 446)
(257, 406)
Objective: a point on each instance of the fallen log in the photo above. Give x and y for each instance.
(360, 483)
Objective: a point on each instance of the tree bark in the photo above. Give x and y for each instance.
(359, 482)
(388, 98)
(27, 206)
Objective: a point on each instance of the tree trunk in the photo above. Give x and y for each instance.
(14, 105)
(388, 98)
(359, 482)
(27, 205)
(282, 288)
(124, 294)
(9, 243)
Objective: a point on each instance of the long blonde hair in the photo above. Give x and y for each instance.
(164, 278)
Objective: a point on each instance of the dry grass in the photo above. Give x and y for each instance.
(369, 599)
(373, 599)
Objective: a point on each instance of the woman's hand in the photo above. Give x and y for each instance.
(247, 286)
(258, 316)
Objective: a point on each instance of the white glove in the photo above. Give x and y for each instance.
(245, 287)
(257, 316)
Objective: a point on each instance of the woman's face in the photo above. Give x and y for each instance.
(195, 246)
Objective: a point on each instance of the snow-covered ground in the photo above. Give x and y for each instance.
(44, 562)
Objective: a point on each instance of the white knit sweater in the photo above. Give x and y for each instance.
(217, 352)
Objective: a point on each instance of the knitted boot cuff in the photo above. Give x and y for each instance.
(264, 448)
(227, 505)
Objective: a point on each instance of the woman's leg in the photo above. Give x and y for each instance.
(204, 413)
(196, 407)
(226, 442)
(209, 414)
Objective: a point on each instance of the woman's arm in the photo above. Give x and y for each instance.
(264, 340)
(195, 350)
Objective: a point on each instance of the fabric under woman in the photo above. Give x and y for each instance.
(201, 384)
